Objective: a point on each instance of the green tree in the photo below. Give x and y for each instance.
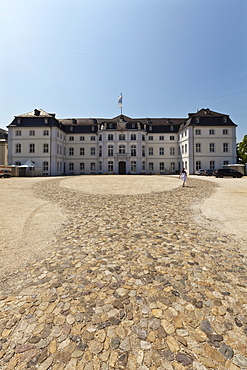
(242, 151)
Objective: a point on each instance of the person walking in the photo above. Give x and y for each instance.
(183, 176)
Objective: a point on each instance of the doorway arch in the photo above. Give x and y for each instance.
(122, 168)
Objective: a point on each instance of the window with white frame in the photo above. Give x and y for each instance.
(71, 138)
(71, 151)
(150, 138)
(82, 166)
(110, 137)
(133, 150)
(198, 148)
(31, 148)
(162, 138)
(225, 132)
(17, 163)
(71, 166)
(110, 150)
(100, 166)
(162, 151)
(133, 137)
(198, 131)
(92, 166)
(143, 151)
(110, 166)
(185, 148)
(93, 138)
(121, 137)
(172, 137)
(162, 166)
(100, 137)
(18, 148)
(82, 138)
(143, 166)
(121, 149)
(211, 147)
(225, 147)
(93, 151)
(172, 150)
(57, 148)
(198, 165)
(211, 165)
(45, 166)
(31, 133)
(225, 163)
(100, 151)
(46, 148)
(150, 166)
(172, 166)
(45, 133)
(182, 149)
(151, 151)
(18, 133)
(211, 132)
(143, 137)
(133, 166)
(82, 151)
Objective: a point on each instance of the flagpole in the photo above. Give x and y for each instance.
(120, 102)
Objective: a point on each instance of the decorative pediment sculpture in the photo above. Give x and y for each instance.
(121, 125)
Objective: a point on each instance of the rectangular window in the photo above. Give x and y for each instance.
(133, 166)
(18, 148)
(198, 147)
(151, 151)
(172, 166)
(92, 166)
(100, 151)
(185, 148)
(93, 151)
(225, 147)
(110, 150)
(172, 137)
(143, 137)
(121, 137)
(151, 166)
(211, 165)
(150, 138)
(211, 132)
(198, 165)
(57, 148)
(143, 166)
(45, 133)
(162, 166)
(162, 138)
(100, 137)
(71, 151)
(82, 138)
(225, 163)
(18, 133)
(110, 137)
(143, 151)
(162, 151)
(31, 133)
(133, 137)
(182, 149)
(71, 138)
(46, 148)
(133, 150)
(225, 132)
(93, 138)
(82, 151)
(71, 166)
(82, 166)
(45, 166)
(31, 148)
(211, 147)
(100, 166)
(121, 149)
(110, 166)
(198, 132)
(172, 151)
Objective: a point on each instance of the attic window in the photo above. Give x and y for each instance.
(71, 128)
(19, 121)
(36, 112)
(46, 121)
(93, 128)
(197, 119)
(74, 121)
(171, 128)
(150, 128)
(225, 119)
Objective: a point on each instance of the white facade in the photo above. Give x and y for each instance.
(122, 145)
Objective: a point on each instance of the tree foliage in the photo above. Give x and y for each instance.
(242, 151)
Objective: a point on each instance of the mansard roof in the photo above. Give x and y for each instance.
(37, 113)
(206, 117)
(3, 134)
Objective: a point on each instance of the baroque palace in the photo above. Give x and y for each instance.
(122, 145)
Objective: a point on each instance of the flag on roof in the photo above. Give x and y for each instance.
(120, 101)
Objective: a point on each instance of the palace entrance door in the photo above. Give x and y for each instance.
(122, 168)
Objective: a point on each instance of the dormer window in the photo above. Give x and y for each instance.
(46, 121)
(225, 119)
(71, 128)
(171, 128)
(93, 128)
(150, 128)
(110, 125)
(197, 119)
(19, 121)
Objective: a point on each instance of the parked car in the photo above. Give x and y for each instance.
(226, 172)
(199, 172)
(208, 173)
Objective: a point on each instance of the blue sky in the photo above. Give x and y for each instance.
(167, 57)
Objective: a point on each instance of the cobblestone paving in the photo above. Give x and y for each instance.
(133, 283)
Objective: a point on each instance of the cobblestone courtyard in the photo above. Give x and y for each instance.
(133, 282)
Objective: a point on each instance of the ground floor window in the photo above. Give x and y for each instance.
(93, 166)
(172, 166)
(211, 165)
(45, 166)
(133, 166)
(110, 166)
(100, 166)
(143, 166)
(71, 166)
(162, 166)
(225, 163)
(82, 166)
(198, 165)
(151, 166)
(17, 163)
